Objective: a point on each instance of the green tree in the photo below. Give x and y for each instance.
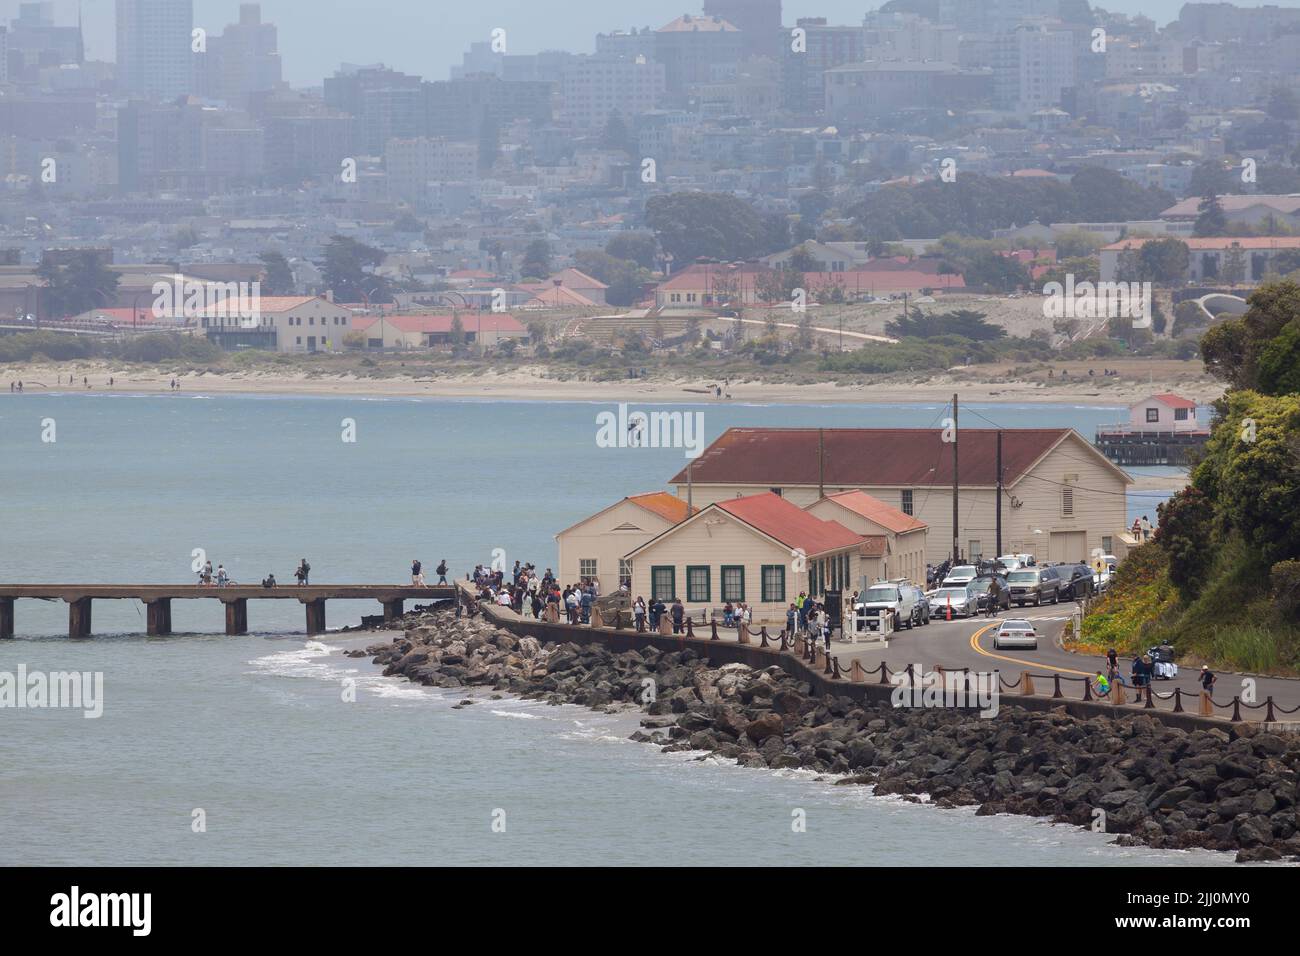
(1211, 221)
(803, 260)
(615, 135)
(692, 226)
(537, 260)
(639, 247)
(1234, 265)
(346, 270)
(1164, 261)
(82, 283)
(1077, 243)
(1184, 531)
(277, 276)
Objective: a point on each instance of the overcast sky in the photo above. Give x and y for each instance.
(427, 36)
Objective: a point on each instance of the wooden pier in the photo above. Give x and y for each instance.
(158, 598)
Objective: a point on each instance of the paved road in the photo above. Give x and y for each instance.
(969, 643)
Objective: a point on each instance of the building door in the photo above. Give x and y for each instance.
(1068, 546)
(311, 343)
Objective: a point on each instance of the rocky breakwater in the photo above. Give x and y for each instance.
(1232, 789)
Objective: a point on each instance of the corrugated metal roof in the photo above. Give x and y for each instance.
(873, 509)
(869, 457)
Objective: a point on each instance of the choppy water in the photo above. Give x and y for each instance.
(255, 731)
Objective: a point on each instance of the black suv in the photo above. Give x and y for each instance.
(1076, 581)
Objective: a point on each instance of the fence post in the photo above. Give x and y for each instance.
(762, 634)
(827, 658)
(884, 673)
(1178, 700)
(856, 674)
(1207, 705)
(1056, 687)
(1236, 709)
(1150, 704)
(1268, 714)
(690, 628)
(714, 635)
(835, 669)
(1026, 684)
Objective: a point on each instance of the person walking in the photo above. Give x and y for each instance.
(223, 578)
(679, 616)
(303, 573)
(442, 571)
(1112, 665)
(417, 574)
(1208, 679)
(791, 619)
(638, 613)
(1146, 528)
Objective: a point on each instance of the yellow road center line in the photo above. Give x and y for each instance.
(975, 646)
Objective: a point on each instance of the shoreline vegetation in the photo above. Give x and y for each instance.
(408, 375)
(1148, 783)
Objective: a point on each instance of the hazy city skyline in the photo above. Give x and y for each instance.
(396, 32)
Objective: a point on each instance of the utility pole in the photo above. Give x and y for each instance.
(956, 547)
(821, 463)
(999, 511)
(690, 487)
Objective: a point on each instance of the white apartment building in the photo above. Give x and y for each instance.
(154, 58)
(1032, 66)
(413, 164)
(593, 87)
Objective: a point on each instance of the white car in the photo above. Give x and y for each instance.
(961, 599)
(961, 576)
(1014, 562)
(1015, 633)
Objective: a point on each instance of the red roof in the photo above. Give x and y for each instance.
(873, 509)
(871, 457)
(1171, 400)
(664, 505)
(1214, 243)
(790, 524)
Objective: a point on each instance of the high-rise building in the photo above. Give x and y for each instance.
(759, 22)
(1033, 65)
(594, 88)
(803, 69)
(697, 50)
(4, 55)
(244, 60)
(154, 48)
(34, 41)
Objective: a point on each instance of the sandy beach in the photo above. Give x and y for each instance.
(979, 384)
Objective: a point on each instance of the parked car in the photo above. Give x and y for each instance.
(983, 583)
(1016, 633)
(901, 600)
(1013, 562)
(960, 575)
(1035, 584)
(962, 598)
(1076, 581)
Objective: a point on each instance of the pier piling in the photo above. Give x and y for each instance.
(315, 616)
(236, 616)
(79, 617)
(159, 617)
(6, 617)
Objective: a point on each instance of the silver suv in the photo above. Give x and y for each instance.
(1034, 584)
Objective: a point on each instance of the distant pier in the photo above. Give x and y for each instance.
(158, 598)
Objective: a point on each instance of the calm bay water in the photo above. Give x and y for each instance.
(254, 730)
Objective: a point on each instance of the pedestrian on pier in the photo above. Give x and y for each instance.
(417, 574)
(303, 572)
(442, 571)
(638, 613)
(223, 578)
(679, 616)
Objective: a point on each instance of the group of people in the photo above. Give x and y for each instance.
(417, 573)
(1142, 670)
(1142, 529)
(221, 577)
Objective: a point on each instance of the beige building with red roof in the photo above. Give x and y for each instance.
(896, 541)
(417, 331)
(1061, 498)
(760, 550)
(1209, 260)
(596, 547)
